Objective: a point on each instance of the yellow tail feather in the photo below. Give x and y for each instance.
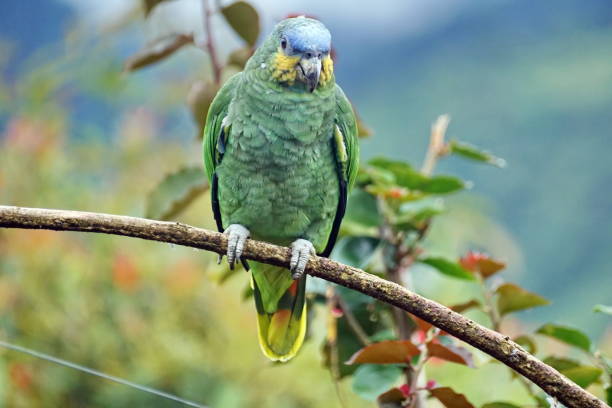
(281, 311)
(275, 337)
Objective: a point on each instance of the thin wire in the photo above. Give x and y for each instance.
(97, 373)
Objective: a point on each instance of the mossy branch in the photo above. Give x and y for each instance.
(486, 340)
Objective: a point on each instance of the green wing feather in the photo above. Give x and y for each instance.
(346, 144)
(212, 130)
(347, 124)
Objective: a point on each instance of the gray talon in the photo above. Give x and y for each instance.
(237, 236)
(301, 251)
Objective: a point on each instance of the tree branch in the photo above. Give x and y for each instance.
(210, 45)
(436, 144)
(488, 341)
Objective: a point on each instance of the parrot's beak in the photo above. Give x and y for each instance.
(310, 70)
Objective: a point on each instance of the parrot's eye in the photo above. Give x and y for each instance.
(283, 43)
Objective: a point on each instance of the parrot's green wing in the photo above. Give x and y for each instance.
(215, 139)
(347, 124)
(346, 145)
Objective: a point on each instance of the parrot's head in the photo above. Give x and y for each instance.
(298, 50)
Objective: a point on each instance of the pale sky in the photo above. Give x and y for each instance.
(371, 18)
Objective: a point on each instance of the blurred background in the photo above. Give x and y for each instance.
(530, 81)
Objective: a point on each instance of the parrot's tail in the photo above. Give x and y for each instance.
(281, 311)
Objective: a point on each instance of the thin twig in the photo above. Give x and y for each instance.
(418, 369)
(405, 257)
(436, 144)
(601, 362)
(490, 308)
(353, 322)
(494, 344)
(387, 232)
(210, 45)
(332, 342)
(435, 150)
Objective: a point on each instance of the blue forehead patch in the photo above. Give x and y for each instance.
(307, 35)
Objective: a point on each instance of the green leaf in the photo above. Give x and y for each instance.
(355, 251)
(406, 176)
(462, 307)
(561, 363)
(239, 57)
(572, 369)
(157, 51)
(199, 98)
(448, 268)
(603, 309)
(567, 335)
(354, 299)
(583, 375)
(375, 175)
(371, 380)
(499, 404)
(385, 352)
(175, 193)
(386, 334)
(362, 217)
(450, 398)
(361, 208)
(403, 174)
(149, 5)
(244, 19)
(527, 343)
(413, 212)
(442, 185)
(609, 395)
(473, 153)
(512, 298)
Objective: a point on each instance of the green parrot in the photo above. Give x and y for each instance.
(281, 152)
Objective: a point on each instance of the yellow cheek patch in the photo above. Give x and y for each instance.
(283, 68)
(327, 70)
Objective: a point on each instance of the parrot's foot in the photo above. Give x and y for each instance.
(236, 237)
(301, 251)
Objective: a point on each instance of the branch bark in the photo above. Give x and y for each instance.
(486, 340)
(210, 45)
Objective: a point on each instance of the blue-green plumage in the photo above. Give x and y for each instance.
(280, 150)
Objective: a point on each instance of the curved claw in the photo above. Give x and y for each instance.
(236, 238)
(301, 251)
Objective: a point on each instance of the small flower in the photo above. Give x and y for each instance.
(405, 389)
